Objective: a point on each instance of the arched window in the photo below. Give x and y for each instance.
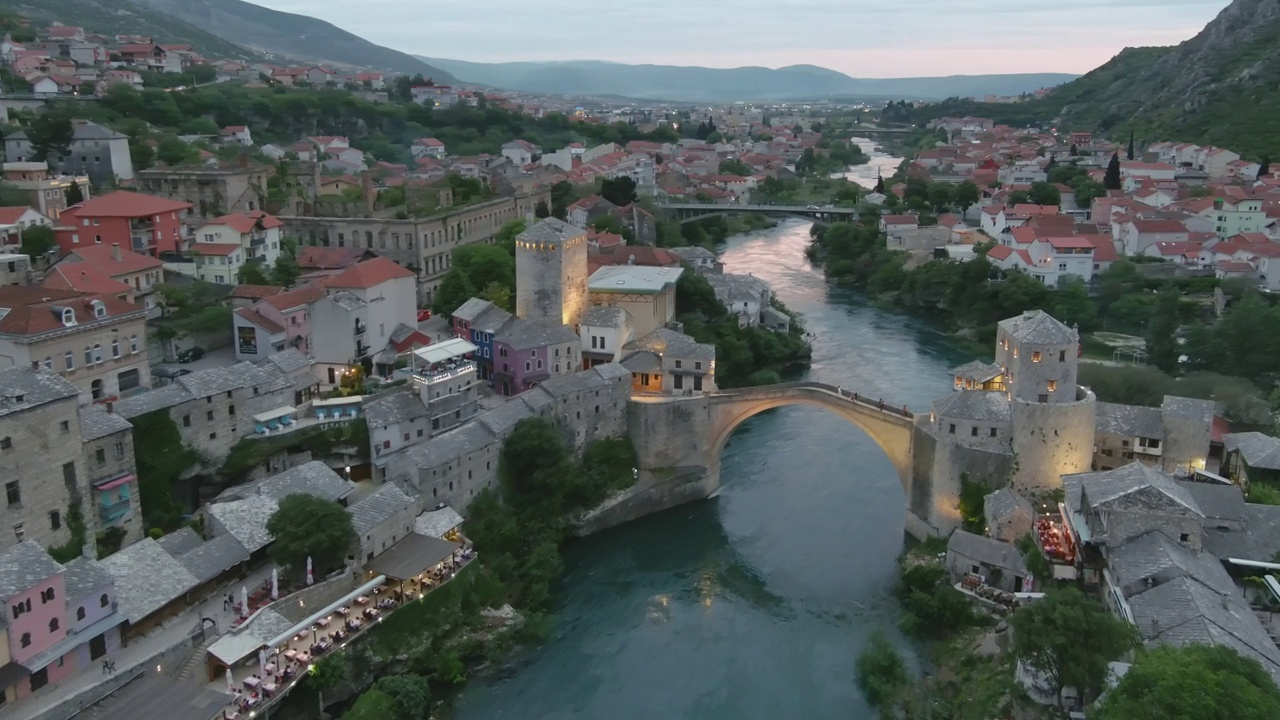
(70, 360)
(53, 625)
(88, 355)
(115, 349)
(80, 613)
(104, 600)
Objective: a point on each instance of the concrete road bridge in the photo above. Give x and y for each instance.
(692, 212)
(679, 441)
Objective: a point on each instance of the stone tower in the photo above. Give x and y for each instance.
(1039, 356)
(551, 273)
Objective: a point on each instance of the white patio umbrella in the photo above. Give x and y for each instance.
(310, 576)
(262, 663)
(231, 681)
(244, 601)
(275, 584)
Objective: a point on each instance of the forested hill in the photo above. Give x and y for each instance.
(1221, 87)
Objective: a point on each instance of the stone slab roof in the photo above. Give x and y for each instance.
(983, 405)
(23, 566)
(1039, 328)
(214, 557)
(1185, 612)
(97, 423)
(1190, 408)
(455, 443)
(603, 316)
(84, 576)
(523, 334)
(161, 398)
(1130, 420)
(22, 388)
(246, 520)
(313, 478)
(1218, 502)
(394, 407)
(552, 230)
(1259, 450)
(378, 507)
(1132, 488)
(977, 371)
(1259, 539)
(472, 309)
(289, 360)
(665, 341)
(1005, 502)
(502, 419)
(1154, 554)
(436, 523)
(180, 541)
(147, 578)
(986, 550)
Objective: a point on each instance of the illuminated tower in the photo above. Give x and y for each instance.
(551, 273)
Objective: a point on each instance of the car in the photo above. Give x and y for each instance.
(168, 372)
(191, 354)
(424, 315)
(813, 207)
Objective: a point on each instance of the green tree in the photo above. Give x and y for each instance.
(933, 608)
(1162, 337)
(1069, 639)
(326, 674)
(410, 693)
(1072, 304)
(455, 289)
(563, 194)
(1192, 682)
(540, 210)
(973, 498)
(807, 164)
(941, 196)
(306, 526)
(534, 464)
(174, 151)
(50, 134)
(373, 704)
(1264, 167)
(252, 274)
(733, 166)
(74, 194)
(967, 195)
(1043, 193)
(1111, 180)
(620, 191)
(882, 674)
(285, 271)
(507, 234)
(498, 294)
(37, 240)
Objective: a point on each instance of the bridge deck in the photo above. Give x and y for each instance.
(719, 207)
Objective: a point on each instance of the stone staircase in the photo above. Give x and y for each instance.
(195, 660)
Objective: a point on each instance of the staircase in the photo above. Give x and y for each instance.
(196, 658)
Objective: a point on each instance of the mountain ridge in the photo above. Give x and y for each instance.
(694, 83)
(290, 35)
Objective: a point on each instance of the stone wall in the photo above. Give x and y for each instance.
(1052, 440)
(42, 441)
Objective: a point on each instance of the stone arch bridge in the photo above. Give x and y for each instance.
(679, 441)
(692, 212)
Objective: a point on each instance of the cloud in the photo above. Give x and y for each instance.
(866, 38)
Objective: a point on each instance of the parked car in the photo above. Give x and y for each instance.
(191, 354)
(168, 372)
(424, 315)
(813, 207)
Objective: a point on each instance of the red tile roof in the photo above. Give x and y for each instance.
(1159, 226)
(257, 318)
(10, 215)
(208, 248)
(31, 309)
(1104, 249)
(254, 292)
(1000, 252)
(83, 277)
(369, 273)
(900, 220)
(1069, 242)
(297, 297)
(103, 258)
(245, 222)
(328, 258)
(123, 203)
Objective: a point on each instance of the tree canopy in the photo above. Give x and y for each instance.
(1070, 639)
(37, 240)
(307, 526)
(1193, 682)
(50, 134)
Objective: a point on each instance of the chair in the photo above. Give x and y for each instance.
(261, 429)
(322, 413)
(286, 420)
(352, 412)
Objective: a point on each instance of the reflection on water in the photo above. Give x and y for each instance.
(756, 604)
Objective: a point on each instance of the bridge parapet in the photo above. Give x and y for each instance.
(779, 389)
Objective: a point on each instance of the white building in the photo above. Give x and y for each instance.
(362, 306)
(604, 332)
(255, 232)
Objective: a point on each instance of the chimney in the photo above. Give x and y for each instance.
(366, 187)
(115, 251)
(111, 406)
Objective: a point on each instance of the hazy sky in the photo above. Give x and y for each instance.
(864, 38)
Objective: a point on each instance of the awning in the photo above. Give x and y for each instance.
(444, 351)
(412, 556)
(276, 414)
(73, 641)
(114, 483)
(1273, 585)
(338, 401)
(328, 609)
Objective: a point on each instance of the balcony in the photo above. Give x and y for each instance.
(437, 373)
(362, 350)
(112, 512)
(359, 329)
(257, 240)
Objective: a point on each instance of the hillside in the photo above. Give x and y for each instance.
(1221, 87)
(689, 84)
(112, 17)
(289, 35)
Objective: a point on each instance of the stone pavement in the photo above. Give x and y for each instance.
(138, 654)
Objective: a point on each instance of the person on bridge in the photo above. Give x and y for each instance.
(905, 413)
(881, 403)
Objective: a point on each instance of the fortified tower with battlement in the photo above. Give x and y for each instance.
(551, 273)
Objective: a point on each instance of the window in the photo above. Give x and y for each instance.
(1052, 385)
(1042, 398)
(973, 431)
(80, 613)
(115, 349)
(6, 443)
(527, 366)
(53, 625)
(209, 416)
(1035, 356)
(104, 601)
(186, 421)
(119, 450)
(88, 356)
(951, 430)
(55, 520)
(697, 364)
(539, 363)
(70, 360)
(133, 344)
(993, 432)
(100, 455)
(65, 427)
(1062, 356)
(26, 640)
(46, 596)
(1184, 537)
(48, 363)
(213, 436)
(678, 364)
(231, 409)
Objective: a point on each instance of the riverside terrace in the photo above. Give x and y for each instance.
(264, 659)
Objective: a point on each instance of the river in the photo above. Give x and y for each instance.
(754, 604)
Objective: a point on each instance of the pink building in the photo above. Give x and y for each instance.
(61, 619)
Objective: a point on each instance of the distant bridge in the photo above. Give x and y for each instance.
(857, 130)
(692, 212)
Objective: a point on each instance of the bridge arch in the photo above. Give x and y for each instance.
(811, 217)
(890, 429)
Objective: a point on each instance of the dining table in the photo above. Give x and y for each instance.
(252, 682)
